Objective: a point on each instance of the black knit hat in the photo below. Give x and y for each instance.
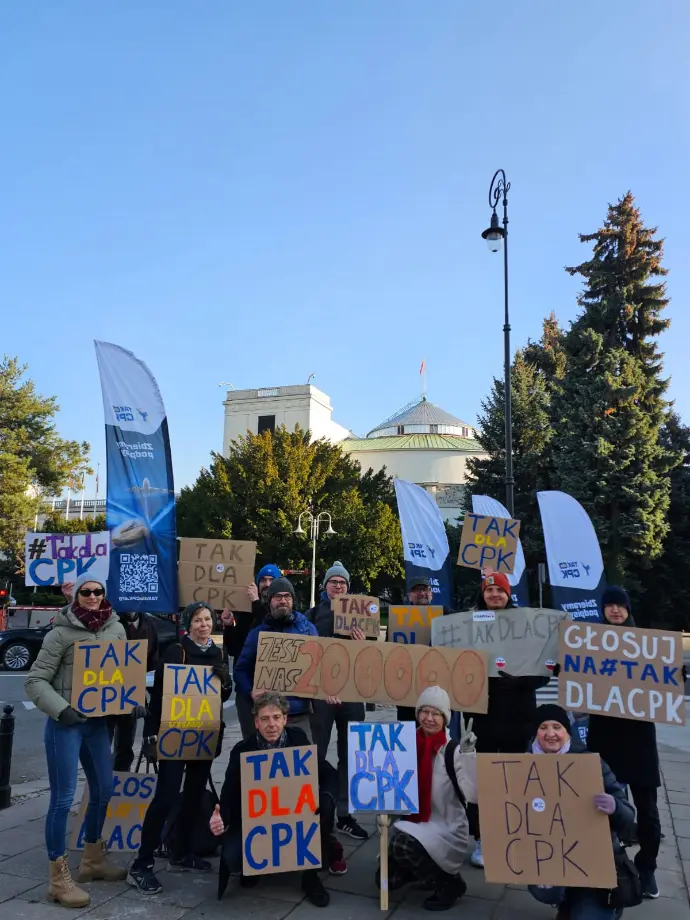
(551, 712)
(280, 586)
(615, 595)
(191, 609)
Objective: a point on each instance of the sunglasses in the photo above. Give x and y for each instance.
(87, 592)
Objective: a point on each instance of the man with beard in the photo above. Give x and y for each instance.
(236, 628)
(420, 594)
(280, 617)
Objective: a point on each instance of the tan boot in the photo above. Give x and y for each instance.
(61, 887)
(95, 865)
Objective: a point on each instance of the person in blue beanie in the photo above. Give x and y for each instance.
(280, 617)
(236, 627)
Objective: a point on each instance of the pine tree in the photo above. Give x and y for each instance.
(608, 413)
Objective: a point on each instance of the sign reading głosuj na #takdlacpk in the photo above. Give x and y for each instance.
(140, 506)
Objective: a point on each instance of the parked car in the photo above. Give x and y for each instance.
(19, 647)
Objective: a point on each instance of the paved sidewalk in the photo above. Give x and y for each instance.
(23, 872)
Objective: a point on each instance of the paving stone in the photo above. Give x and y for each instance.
(478, 887)
(30, 864)
(124, 909)
(245, 907)
(180, 889)
(19, 839)
(522, 900)
(38, 910)
(678, 798)
(100, 891)
(345, 907)
(671, 883)
(13, 885)
(471, 908)
(681, 812)
(681, 828)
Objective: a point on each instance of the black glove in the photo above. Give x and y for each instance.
(70, 716)
(509, 678)
(556, 670)
(222, 672)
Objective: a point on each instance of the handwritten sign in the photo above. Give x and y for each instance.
(521, 641)
(412, 625)
(190, 714)
(539, 823)
(377, 672)
(626, 673)
(109, 678)
(382, 767)
(55, 558)
(356, 610)
(216, 571)
(132, 795)
(280, 797)
(489, 541)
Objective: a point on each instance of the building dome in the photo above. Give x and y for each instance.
(422, 417)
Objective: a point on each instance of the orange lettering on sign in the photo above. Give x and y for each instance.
(275, 802)
(305, 800)
(258, 803)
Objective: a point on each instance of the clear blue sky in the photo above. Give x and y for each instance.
(255, 190)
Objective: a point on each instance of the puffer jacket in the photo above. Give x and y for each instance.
(49, 682)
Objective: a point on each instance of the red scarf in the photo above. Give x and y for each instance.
(93, 620)
(428, 747)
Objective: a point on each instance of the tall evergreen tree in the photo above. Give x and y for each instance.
(608, 413)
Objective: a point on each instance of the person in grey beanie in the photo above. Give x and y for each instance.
(336, 583)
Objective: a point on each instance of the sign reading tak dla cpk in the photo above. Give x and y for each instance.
(216, 571)
(109, 678)
(489, 541)
(382, 767)
(356, 610)
(190, 713)
(626, 673)
(280, 798)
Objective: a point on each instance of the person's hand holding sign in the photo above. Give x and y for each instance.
(226, 617)
(252, 592)
(357, 634)
(216, 825)
(68, 591)
(334, 701)
(605, 803)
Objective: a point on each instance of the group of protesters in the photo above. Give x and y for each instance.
(429, 848)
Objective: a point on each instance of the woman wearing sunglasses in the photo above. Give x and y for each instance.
(70, 738)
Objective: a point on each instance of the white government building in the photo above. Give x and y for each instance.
(421, 442)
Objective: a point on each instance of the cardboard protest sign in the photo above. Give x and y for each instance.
(625, 673)
(356, 610)
(280, 797)
(539, 822)
(191, 713)
(109, 678)
(412, 625)
(216, 571)
(56, 558)
(382, 767)
(132, 795)
(521, 641)
(377, 672)
(489, 541)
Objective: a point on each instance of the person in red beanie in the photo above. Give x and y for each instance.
(507, 726)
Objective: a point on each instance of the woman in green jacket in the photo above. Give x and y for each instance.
(70, 737)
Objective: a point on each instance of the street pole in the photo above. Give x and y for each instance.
(314, 522)
(496, 236)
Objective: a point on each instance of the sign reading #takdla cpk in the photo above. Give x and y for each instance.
(56, 558)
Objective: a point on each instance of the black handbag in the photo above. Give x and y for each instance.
(628, 892)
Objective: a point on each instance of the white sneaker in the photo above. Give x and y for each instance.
(477, 859)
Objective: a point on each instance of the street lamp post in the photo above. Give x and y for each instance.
(315, 522)
(497, 236)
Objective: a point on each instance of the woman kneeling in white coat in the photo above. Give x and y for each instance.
(431, 846)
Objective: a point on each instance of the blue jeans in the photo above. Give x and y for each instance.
(584, 904)
(66, 745)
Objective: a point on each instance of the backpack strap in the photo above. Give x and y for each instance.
(449, 755)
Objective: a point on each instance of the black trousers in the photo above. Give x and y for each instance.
(648, 826)
(323, 718)
(170, 775)
(122, 730)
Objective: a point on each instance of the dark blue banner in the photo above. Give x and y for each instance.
(140, 500)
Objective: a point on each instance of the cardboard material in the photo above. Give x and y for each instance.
(488, 541)
(191, 713)
(379, 672)
(109, 678)
(216, 571)
(626, 673)
(539, 822)
(56, 558)
(521, 641)
(356, 610)
(132, 795)
(280, 796)
(412, 625)
(382, 768)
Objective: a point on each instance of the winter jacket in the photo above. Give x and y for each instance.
(145, 628)
(446, 834)
(49, 682)
(244, 666)
(186, 652)
(235, 636)
(231, 793)
(322, 617)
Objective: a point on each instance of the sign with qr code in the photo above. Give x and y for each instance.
(56, 558)
(109, 678)
(217, 572)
